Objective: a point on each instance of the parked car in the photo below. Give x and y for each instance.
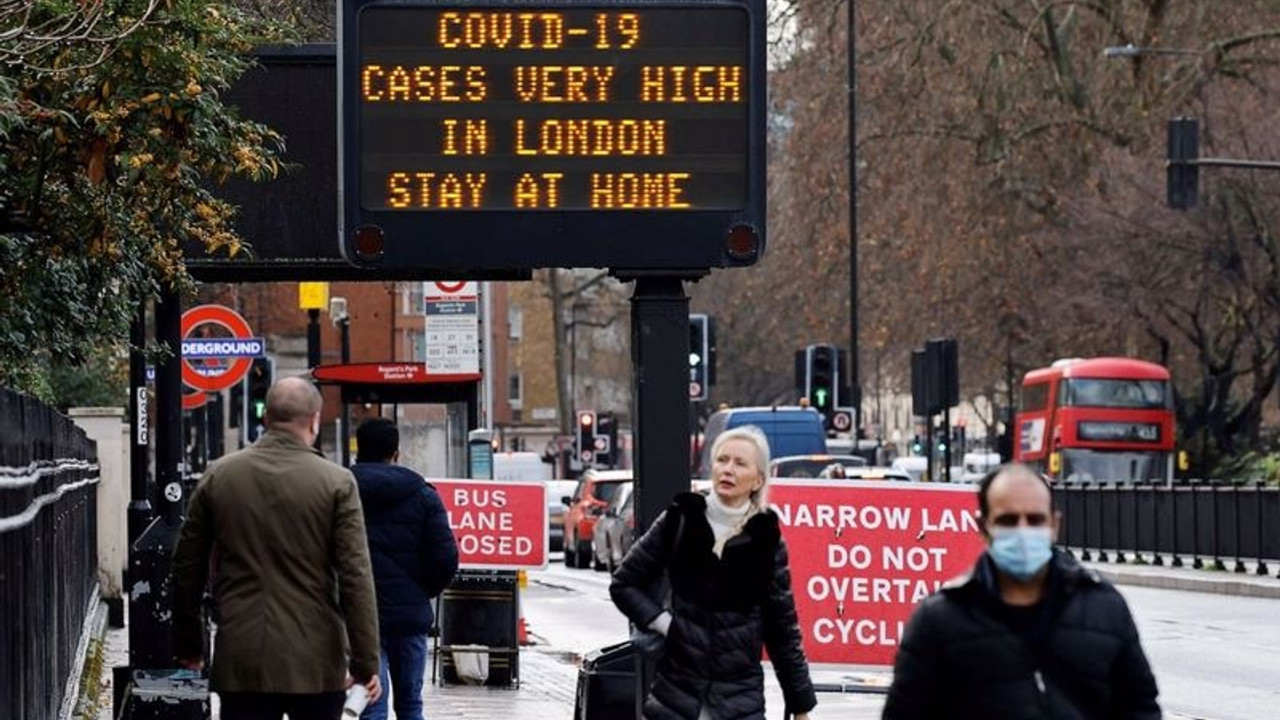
(556, 510)
(614, 530)
(790, 430)
(586, 505)
(808, 466)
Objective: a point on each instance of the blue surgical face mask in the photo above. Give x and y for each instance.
(1021, 551)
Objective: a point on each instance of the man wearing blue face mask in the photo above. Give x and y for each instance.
(1029, 633)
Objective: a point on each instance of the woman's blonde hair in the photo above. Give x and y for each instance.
(760, 443)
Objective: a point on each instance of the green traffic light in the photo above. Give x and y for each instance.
(820, 395)
(259, 408)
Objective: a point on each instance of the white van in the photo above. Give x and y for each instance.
(977, 464)
(520, 466)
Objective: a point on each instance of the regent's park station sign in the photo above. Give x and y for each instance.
(618, 134)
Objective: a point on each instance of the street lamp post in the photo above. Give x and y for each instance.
(342, 320)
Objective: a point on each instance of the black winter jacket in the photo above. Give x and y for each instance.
(724, 611)
(411, 546)
(1078, 659)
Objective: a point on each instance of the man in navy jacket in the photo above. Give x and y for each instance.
(414, 558)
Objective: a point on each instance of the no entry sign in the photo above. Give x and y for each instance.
(498, 525)
(863, 554)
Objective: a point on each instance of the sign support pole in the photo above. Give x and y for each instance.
(139, 513)
(660, 382)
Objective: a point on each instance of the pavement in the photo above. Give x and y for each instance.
(548, 669)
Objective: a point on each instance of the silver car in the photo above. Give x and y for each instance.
(615, 530)
(557, 489)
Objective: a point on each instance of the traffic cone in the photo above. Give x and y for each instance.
(522, 632)
(522, 629)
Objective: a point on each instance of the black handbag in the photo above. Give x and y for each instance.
(651, 643)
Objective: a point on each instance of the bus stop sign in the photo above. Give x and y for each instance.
(497, 136)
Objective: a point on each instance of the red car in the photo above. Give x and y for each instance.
(585, 506)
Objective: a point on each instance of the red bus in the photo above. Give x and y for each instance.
(1097, 419)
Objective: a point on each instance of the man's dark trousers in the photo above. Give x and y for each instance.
(273, 706)
(404, 663)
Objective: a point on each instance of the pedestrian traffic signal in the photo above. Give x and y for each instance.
(822, 378)
(699, 360)
(1182, 172)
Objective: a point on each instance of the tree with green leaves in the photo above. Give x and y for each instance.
(113, 136)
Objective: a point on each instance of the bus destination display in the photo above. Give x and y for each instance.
(557, 108)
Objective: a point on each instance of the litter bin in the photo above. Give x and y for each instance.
(607, 684)
(478, 613)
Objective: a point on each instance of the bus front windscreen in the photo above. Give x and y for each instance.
(1111, 466)
(1136, 394)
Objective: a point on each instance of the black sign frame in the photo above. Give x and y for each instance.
(496, 240)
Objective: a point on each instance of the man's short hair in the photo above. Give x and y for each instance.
(377, 440)
(292, 399)
(984, 485)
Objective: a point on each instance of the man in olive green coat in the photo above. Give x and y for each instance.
(281, 532)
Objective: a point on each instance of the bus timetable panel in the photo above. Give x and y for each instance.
(530, 135)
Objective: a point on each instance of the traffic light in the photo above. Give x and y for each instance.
(606, 437)
(236, 414)
(822, 378)
(917, 447)
(587, 436)
(699, 346)
(257, 382)
(1181, 173)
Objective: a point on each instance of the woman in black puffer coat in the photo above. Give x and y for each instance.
(730, 595)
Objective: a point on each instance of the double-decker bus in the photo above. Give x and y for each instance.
(1097, 419)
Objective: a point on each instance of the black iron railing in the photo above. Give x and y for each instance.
(48, 553)
(1227, 526)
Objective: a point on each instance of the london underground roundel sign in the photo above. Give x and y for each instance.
(211, 364)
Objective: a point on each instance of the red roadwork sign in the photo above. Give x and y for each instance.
(498, 525)
(863, 554)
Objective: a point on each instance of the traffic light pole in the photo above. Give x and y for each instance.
(660, 381)
(855, 380)
(139, 512)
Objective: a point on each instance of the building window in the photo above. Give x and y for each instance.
(417, 345)
(514, 387)
(413, 302)
(515, 322)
